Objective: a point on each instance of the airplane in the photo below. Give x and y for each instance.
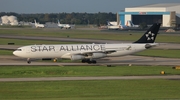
(66, 26)
(37, 25)
(113, 25)
(130, 24)
(87, 53)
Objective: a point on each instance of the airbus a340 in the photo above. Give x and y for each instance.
(87, 53)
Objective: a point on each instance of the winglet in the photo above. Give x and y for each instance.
(150, 35)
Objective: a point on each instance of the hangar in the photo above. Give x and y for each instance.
(168, 14)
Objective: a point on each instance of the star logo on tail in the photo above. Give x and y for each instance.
(150, 35)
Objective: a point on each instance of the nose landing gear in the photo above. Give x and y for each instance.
(28, 61)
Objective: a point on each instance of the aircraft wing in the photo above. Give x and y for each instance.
(90, 53)
(87, 53)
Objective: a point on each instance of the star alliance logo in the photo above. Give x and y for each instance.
(150, 36)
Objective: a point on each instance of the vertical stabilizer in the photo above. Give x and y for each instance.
(35, 21)
(58, 22)
(150, 35)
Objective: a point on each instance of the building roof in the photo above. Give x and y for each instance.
(160, 5)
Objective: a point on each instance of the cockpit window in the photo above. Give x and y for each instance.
(19, 50)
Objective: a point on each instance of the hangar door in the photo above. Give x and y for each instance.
(148, 19)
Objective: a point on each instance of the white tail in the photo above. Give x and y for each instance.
(58, 22)
(35, 21)
(131, 24)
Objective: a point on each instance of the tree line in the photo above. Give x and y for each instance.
(99, 18)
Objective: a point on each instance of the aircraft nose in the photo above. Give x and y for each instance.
(15, 53)
(18, 52)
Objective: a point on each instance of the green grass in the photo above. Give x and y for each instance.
(91, 34)
(147, 89)
(6, 52)
(160, 53)
(92, 90)
(57, 71)
(31, 42)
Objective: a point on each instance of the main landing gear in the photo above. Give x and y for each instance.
(28, 61)
(89, 61)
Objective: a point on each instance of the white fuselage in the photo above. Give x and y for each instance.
(116, 27)
(66, 51)
(67, 26)
(37, 25)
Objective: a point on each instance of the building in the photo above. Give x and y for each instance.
(9, 20)
(168, 14)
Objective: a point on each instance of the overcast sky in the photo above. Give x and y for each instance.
(58, 6)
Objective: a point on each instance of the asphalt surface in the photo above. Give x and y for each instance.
(124, 60)
(171, 77)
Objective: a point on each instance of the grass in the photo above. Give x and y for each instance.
(150, 89)
(57, 71)
(6, 52)
(92, 90)
(160, 53)
(31, 42)
(90, 34)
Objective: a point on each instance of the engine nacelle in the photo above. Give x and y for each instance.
(98, 55)
(77, 57)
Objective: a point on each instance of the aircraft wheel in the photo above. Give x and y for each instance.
(83, 61)
(93, 61)
(89, 62)
(28, 61)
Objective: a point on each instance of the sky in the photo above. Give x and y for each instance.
(69, 6)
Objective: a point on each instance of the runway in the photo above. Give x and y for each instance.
(170, 77)
(124, 60)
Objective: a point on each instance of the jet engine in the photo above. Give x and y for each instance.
(98, 55)
(77, 57)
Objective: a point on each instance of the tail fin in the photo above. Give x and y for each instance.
(150, 35)
(119, 23)
(109, 24)
(131, 24)
(58, 22)
(35, 21)
(127, 23)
